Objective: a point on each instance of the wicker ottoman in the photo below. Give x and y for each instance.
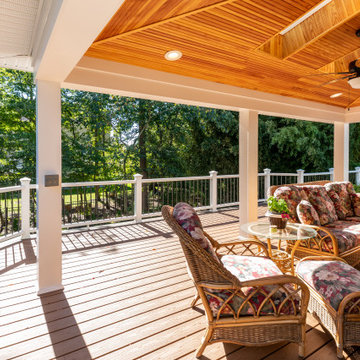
(334, 297)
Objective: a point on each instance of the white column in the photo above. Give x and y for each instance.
(48, 162)
(138, 197)
(25, 208)
(341, 151)
(213, 190)
(248, 165)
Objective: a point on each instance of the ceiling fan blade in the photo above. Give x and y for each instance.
(335, 80)
(335, 73)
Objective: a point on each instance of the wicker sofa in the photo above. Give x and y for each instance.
(333, 208)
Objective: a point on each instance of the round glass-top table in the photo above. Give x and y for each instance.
(261, 230)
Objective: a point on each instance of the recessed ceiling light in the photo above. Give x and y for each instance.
(335, 95)
(173, 55)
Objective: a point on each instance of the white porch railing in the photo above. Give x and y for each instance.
(91, 203)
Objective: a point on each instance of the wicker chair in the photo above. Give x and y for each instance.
(254, 328)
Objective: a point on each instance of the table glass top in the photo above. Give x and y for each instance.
(291, 232)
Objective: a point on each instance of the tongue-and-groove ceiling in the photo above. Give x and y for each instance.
(241, 43)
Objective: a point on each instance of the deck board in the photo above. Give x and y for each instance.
(127, 296)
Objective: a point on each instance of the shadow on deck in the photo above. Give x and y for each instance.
(127, 296)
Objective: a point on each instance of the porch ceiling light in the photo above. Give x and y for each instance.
(335, 95)
(355, 83)
(173, 55)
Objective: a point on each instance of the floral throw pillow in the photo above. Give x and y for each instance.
(321, 202)
(187, 218)
(292, 195)
(307, 214)
(343, 201)
(340, 209)
(355, 201)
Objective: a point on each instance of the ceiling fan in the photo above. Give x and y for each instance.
(353, 75)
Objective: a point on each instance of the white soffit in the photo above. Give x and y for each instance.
(18, 25)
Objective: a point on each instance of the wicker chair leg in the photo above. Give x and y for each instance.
(204, 342)
(301, 349)
(302, 343)
(195, 299)
(339, 352)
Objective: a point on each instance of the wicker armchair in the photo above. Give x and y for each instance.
(248, 325)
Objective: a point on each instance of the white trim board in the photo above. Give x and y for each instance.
(104, 76)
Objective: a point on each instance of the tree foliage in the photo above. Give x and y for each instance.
(109, 137)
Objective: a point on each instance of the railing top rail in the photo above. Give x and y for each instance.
(283, 174)
(33, 186)
(147, 181)
(97, 183)
(10, 188)
(317, 174)
(229, 176)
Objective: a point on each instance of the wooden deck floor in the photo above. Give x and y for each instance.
(127, 296)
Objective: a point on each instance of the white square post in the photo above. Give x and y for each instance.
(48, 162)
(248, 165)
(341, 151)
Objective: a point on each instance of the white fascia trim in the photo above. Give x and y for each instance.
(352, 115)
(127, 80)
(70, 29)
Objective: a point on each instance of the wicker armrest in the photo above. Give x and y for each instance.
(244, 247)
(320, 241)
(292, 286)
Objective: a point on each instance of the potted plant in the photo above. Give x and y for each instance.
(278, 212)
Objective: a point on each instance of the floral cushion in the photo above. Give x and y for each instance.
(249, 268)
(307, 214)
(292, 195)
(355, 201)
(332, 280)
(347, 234)
(339, 193)
(340, 209)
(321, 202)
(187, 218)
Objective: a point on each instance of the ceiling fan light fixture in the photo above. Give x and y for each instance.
(354, 82)
(173, 55)
(336, 95)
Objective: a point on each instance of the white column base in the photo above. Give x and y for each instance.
(49, 289)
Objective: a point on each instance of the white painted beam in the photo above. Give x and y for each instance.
(248, 165)
(352, 115)
(48, 162)
(341, 151)
(70, 29)
(126, 80)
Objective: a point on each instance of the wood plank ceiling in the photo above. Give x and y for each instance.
(239, 43)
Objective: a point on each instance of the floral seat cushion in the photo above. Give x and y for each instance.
(339, 193)
(319, 199)
(347, 234)
(332, 280)
(249, 268)
(187, 218)
(292, 195)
